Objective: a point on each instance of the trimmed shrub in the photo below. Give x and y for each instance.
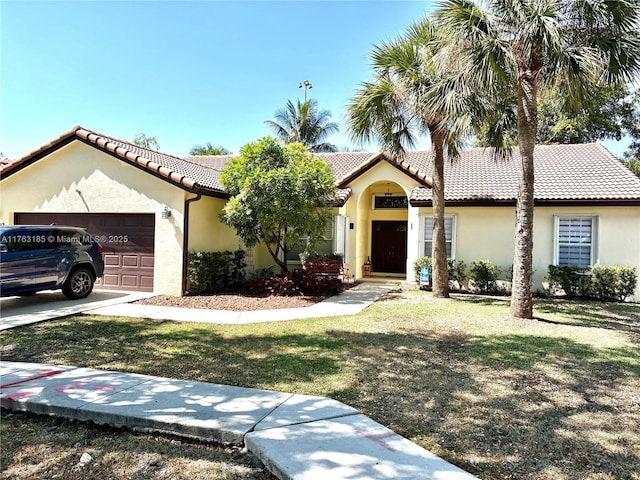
(457, 273)
(329, 256)
(567, 280)
(296, 283)
(628, 282)
(210, 272)
(485, 274)
(601, 283)
(613, 283)
(455, 268)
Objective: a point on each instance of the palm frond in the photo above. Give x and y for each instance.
(304, 123)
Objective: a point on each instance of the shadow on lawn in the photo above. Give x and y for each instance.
(195, 353)
(500, 406)
(612, 316)
(562, 311)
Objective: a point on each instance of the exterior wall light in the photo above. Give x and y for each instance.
(166, 213)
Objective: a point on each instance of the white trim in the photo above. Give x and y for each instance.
(595, 235)
(421, 234)
(347, 240)
(333, 237)
(339, 237)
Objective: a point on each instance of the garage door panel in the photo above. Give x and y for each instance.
(129, 260)
(109, 280)
(147, 262)
(111, 260)
(128, 241)
(130, 281)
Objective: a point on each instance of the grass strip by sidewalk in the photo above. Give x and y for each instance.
(553, 398)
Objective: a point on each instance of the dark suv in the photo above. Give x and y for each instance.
(38, 257)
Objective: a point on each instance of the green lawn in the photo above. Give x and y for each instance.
(553, 398)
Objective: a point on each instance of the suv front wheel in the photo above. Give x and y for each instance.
(79, 284)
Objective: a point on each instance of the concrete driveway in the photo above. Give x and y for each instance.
(18, 311)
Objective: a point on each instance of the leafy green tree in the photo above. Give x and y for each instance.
(279, 196)
(611, 113)
(633, 164)
(526, 47)
(304, 123)
(208, 149)
(143, 140)
(391, 110)
(632, 125)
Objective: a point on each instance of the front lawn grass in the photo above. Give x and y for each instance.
(553, 398)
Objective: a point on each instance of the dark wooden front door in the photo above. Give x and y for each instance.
(389, 247)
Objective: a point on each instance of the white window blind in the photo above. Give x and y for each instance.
(325, 245)
(339, 240)
(428, 235)
(575, 242)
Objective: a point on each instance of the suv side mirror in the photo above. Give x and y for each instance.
(3, 248)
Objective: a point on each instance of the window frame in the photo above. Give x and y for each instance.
(595, 236)
(423, 228)
(331, 238)
(393, 195)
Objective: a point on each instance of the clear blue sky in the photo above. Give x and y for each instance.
(183, 72)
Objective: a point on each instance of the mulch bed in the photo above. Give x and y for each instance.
(231, 302)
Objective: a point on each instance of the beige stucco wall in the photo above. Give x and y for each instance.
(107, 185)
(488, 233)
(208, 234)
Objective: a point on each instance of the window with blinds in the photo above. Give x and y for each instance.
(428, 235)
(574, 241)
(323, 247)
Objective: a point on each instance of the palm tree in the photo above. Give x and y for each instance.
(525, 46)
(208, 149)
(392, 111)
(304, 123)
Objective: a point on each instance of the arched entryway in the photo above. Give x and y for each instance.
(383, 227)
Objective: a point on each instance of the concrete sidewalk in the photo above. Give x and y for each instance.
(294, 436)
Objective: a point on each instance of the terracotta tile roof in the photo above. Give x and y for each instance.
(186, 174)
(564, 173)
(350, 165)
(215, 162)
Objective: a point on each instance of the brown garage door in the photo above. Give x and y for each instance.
(127, 239)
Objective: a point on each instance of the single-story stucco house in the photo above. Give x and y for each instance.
(150, 208)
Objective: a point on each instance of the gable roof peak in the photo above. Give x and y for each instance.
(173, 169)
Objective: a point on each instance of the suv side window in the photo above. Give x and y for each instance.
(68, 238)
(25, 240)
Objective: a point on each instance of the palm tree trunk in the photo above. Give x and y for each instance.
(439, 245)
(521, 296)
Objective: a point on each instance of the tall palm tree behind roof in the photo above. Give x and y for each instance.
(524, 47)
(304, 123)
